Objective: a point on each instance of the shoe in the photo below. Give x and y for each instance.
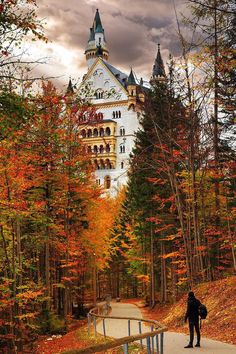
(197, 345)
(189, 346)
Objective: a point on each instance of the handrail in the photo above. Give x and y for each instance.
(159, 329)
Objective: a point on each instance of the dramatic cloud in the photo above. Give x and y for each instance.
(132, 29)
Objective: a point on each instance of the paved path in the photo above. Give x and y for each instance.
(173, 342)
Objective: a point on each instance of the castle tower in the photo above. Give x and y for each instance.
(132, 90)
(96, 46)
(158, 72)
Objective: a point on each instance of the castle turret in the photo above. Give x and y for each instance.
(96, 46)
(158, 72)
(132, 90)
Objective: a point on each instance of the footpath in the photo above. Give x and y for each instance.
(173, 342)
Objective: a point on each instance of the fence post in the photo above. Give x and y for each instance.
(148, 345)
(152, 340)
(89, 321)
(157, 343)
(162, 343)
(104, 328)
(140, 332)
(129, 328)
(126, 348)
(95, 326)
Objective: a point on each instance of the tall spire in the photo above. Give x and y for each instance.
(70, 88)
(131, 78)
(96, 46)
(158, 72)
(97, 24)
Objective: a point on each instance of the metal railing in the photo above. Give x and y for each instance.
(152, 340)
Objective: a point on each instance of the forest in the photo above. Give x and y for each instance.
(62, 243)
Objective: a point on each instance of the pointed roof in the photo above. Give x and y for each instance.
(70, 88)
(158, 67)
(131, 78)
(97, 23)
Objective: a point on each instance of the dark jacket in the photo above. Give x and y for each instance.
(192, 313)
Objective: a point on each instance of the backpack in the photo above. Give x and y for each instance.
(202, 310)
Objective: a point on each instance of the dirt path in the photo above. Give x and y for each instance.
(173, 342)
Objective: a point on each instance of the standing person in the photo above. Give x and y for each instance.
(192, 314)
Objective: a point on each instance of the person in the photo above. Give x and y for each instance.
(192, 315)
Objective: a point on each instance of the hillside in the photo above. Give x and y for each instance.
(220, 300)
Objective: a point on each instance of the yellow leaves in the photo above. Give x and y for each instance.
(29, 295)
(143, 278)
(27, 315)
(170, 255)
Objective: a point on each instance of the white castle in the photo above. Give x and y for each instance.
(118, 99)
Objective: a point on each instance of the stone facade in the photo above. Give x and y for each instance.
(118, 99)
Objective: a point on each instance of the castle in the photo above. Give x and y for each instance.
(118, 99)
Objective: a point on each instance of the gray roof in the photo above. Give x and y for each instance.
(121, 77)
(131, 78)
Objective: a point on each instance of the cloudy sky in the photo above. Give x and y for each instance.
(132, 28)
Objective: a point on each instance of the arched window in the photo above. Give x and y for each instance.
(95, 149)
(95, 132)
(108, 164)
(101, 132)
(122, 148)
(108, 149)
(83, 133)
(89, 133)
(114, 114)
(122, 165)
(89, 149)
(101, 149)
(96, 164)
(102, 164)
(108, 131)
(122, 131)
(107, 182)
(99, 94)
(119, 114)
(100, 116)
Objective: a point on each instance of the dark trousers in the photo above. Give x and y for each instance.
(193, 324)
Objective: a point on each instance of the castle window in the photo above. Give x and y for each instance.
(99, 94)
(95, 149)
(119, 114)
(107, 182)
(108, 164)
(96, 165)
(83, 133)
(122, 165)
(102, 164)
(108, 148)
(122, 148)
(101, 132)
(122, 131)
(114, 114)
(95, 132)
(89, 133)
(89, 149)
(108, 131)
(101, 149)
